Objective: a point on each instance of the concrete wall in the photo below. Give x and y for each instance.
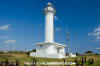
(49, 51)
(44, 55)
(46, 49)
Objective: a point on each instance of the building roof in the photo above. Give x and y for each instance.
(43, 43)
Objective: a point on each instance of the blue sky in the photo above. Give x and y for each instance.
(22, 24)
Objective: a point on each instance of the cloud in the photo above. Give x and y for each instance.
(4, 27)
(95, 33)
(58, 29)
(4, 37)
(10, 41)
(97, 29)
(97, 48)
(55, 17)
(89, 34)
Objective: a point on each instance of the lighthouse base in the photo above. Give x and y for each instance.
(49, 50)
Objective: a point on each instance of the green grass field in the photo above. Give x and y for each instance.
(24, 58)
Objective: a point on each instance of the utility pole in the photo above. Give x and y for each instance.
(67, 38)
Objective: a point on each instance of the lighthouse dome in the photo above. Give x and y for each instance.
(49, 5)
(49, 8)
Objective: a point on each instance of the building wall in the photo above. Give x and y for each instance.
(49, 51)
(46, 49)
(44, 55)
(61, 52)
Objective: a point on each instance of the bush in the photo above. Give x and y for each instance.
(1, 52)
(34, 50)
(77, 53)
(88, 52)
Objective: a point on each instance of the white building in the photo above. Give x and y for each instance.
(49, 49)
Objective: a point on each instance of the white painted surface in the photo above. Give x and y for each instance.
(49, 51)
(49, 13)
(72, 55)
(49, 27)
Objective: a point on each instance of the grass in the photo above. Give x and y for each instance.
(24, 58)
(96, 60)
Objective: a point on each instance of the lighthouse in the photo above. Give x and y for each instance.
(49, 48)
(49, 12)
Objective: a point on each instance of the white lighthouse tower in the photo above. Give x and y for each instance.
(49, 13)
(49, 49)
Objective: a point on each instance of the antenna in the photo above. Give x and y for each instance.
(67, 38)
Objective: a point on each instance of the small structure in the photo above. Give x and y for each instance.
(49, 49)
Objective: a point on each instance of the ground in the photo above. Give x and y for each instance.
(25, 58)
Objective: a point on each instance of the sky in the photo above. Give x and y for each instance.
(22, 24)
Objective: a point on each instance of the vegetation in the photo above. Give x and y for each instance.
(88, 52)
(1, 52)
(77, 53)
(34, 50)
(23, 57)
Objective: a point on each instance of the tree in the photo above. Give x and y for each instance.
(28, 53)
(34, 50)
(77, 53)
(88, 52)
(1, 52)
